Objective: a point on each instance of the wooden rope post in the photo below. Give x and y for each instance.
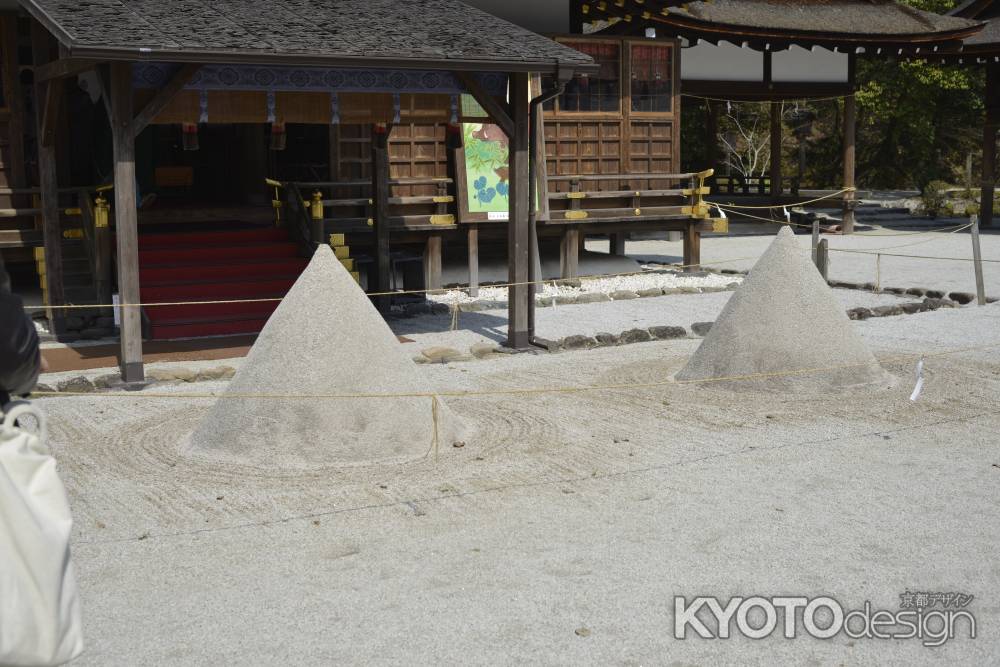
(473, 237)
(815, 240)
(380, 196)
(977, 262)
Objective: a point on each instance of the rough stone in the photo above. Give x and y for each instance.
(78, 384)
(544, 343)
(607, 339)
(894, 290)
(592, 297)
(916, 291)
(482, 350)
(886, 311)
(667, 332)
(671, 290)
(913, 307)
(634, 336)
(686, 289)
(43, 387)
(623, 294)
(471, 306)
(962, 297)
(948, 303)
(577, 342)
(107, 381)
(441, 355)
(569, 282)
(934, 294)
(701, 328)
(733, 285)
(171, 374)
(650, 291)
(859, 313)
(216, 373)
(932, 303)
(565, 299)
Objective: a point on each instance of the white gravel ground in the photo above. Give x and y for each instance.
(562, 531)
(603, 285)
(741, 253)
(591, 318)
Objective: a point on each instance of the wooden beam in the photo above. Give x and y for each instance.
(64, 67)
(473, 235)
(104, 80)
(497, 111)
(48, 181)
(14, 156)
(380, 197)
(692, 247)
(163, 97)
(850, 122)
(51, 96)
(432, 262)
(126, 220)
(990, 123)
(569, 253)
(776, 150)
(519, 227)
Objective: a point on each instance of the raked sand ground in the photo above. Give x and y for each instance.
(561, 532)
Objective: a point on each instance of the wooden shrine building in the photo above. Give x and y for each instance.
(774, 50)
(270, 65)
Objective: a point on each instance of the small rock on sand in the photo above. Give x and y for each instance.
(623, 294)
(667, 333)
(77, 384)
(635, 336)
(701, 328)
(442, 355)
(606, 339)
(216, 373)
(577, 343)
(591, 297)
(482, 350)
(650, 291)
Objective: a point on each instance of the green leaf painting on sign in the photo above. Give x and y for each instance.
(486, 154)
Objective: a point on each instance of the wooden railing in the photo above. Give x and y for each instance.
(315, 207)
(622, 203)
(753, 185)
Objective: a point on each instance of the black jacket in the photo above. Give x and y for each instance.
(20, 359)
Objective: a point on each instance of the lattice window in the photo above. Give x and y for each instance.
(652, 80)
(599, 92)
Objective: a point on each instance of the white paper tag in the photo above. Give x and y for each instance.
(920, 381)
(117, 311)
(721, 212)
(788, 216)
(497, 215)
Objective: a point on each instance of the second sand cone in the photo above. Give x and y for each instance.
(785, 329)
(325, 338)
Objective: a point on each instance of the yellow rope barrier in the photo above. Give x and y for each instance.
(797, 99)
(793, 204)
(553, 281)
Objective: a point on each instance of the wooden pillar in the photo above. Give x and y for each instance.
(569, 252)
(850, 120)
(990, 123)
(617, 243)
(473, 233)
(519, 227)
(380, 196)
(432, 262)
(126, 220)
(15, 152)
(692, 247)
(48, 103)
(776, 151)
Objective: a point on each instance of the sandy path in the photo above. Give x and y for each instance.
(564, 511)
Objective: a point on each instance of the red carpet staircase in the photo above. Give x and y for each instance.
(214, 266)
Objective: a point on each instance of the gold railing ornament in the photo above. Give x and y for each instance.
(276, 202)
(317, 205)
(101, 212)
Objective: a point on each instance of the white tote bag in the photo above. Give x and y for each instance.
(39, 609)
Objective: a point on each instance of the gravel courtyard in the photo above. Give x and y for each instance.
(561, 532)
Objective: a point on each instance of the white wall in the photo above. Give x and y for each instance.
(543, 16)
(727, 62)
(724, 62)
(818, 65)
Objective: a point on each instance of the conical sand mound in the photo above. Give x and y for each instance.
(785, 319)
(324, 338)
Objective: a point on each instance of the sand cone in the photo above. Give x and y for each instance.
(324, 338)
(785, 318)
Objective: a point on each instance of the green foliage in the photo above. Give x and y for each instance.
(934, 199)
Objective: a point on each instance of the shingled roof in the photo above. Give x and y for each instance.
(847, 23)
(988, 40)
(426, 34)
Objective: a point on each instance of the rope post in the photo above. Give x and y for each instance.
(878, 274)
(977, 261)
(823, 259)
(815, 240)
